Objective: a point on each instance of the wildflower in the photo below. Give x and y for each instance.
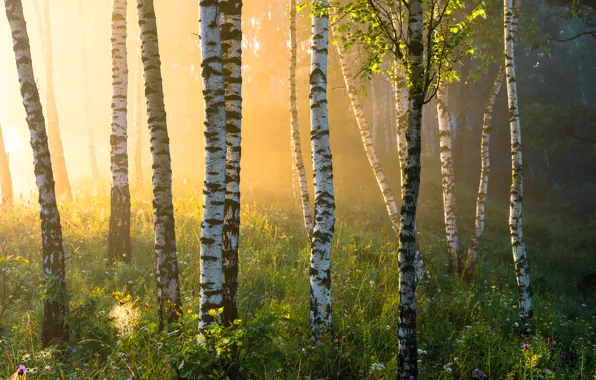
(21, 369)
(377, 367)
(476, 372)
(456, 358)
(565, 356)
(29, 283)
(526, 346)
(548, 340)
(388, 327)
(411, 377)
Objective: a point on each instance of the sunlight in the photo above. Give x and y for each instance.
(13, 141)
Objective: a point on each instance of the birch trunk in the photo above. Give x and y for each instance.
(119, 234)
(484, 173)
(168, 290)
(55, 307)
(45, 31)
(373, 93)
(448, 182)
(92, 156)
(214, 190)
(522, 269)
(138, 159)
(231, 51)
(5, 176)
(322, 236)
(400, 94)
(407, 357)
(368, 142)
(295, 131)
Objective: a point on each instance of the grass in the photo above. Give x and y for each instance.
(463, 331)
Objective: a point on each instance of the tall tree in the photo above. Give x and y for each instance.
(168, 289)
(298, 162)
(214, 189)
(119, 234)
(484, 175)
(138, 159)
(5, 176)
(322, 236)
(522, 268)
(55, 304)
(368, 141)
(231, 50)
(92, 156)
(45, 33)
(448, 181)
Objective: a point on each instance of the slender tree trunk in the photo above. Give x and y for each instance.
(448, 182)
(484, 173)
(373, 93)
(119, 234)
(92, 157)
(368, 142)
(168, 290)
(55, 307)
(400, 93)
(295, 131)
(214, 189)
(231, 47)
(5, 176)
(45, 31)
(407, 357)
(522, 269)
(322, 237)
(138, 160)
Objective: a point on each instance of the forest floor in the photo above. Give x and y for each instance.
(463, 331)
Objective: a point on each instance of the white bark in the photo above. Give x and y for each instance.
(56, 307)
(484, 174)
(214, 188)
(299, 176)
(231, 44)
(368, 141)
(168, 289)
(448, 181)
(522, 269)
(373, 93)
(322, 237)
(119, 234)
(138, 120)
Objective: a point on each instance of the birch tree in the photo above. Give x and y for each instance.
(138, 118)
(45, 34)
(522, 268)
(214, 189)
(119, 233)
(231, 50)
(448, 181)
(484, 175)
(5, 176)
(55, 304)
(298, 161)
(168, 289)
(324, 221)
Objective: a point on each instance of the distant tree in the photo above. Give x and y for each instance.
(297, 160)
(138, 120)
(45, 34)
(214, 189)
(55, 303)
(168, 288)
(119, 233)
(324, 220)
(5, 176)
(522, 268)
(448, 180)
(231, 46)
(92, 156)
(487, 128)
